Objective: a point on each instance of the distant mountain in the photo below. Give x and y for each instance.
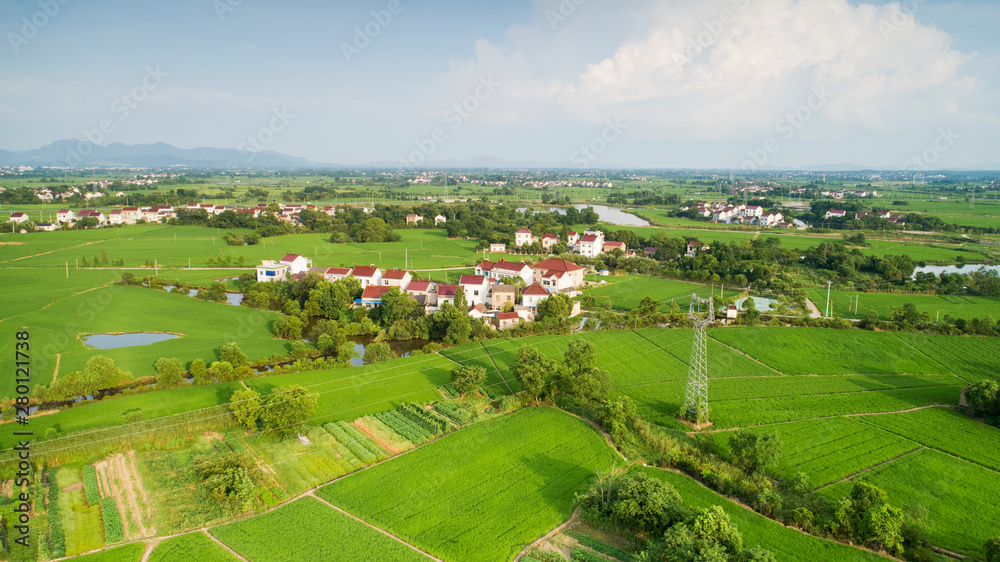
(76, 154)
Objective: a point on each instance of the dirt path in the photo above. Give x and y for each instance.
(55, 373)
(383, 443)
(150, 547)
(57, 250)
(223, 545)
(137, 481)
(572, 519)
(813, 309)
(386, 533)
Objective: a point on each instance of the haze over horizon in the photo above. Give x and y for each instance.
(727, 84)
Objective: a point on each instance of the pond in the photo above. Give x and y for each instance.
(112, 341)
(235, 299)
(966, 269)
(613, 215)
(761, 303)
(400, 348)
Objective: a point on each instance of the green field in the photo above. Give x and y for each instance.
(955, 305)
(126, 553)
(484, 506)
(306, 529)
(192, 546)
(625, 293)
(787, 544)
(81, 522)
(972, 358)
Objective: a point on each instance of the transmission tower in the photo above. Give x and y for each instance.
(696, 398)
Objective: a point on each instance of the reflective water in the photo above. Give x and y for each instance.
(112, 341)
(613, 215)
(966, 269)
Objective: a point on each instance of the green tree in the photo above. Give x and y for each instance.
(873, 521)
(555, 308)
(751, 316)
(579, 356)
(245, 405)
(377, 352)
(222, 371)
(288, 408)
(532, 369)
(870, 321)
(346, 352)
(591, 386)
(467, 378)
(714, 525)
(198, 372)
(232, 353)
(640, 502)
(618, 415)
(992, 548)
(752, 452)
(984, 397)
(169, 372)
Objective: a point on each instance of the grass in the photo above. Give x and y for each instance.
(723, 361)
(125, 553)
(787, 544)
(82, 524)
(972, 358)
(955, 305)
(306, 529)
(625, 293)
(486, 506)
(192, 546)
(819, 351)
(962, 499)
(300, 467)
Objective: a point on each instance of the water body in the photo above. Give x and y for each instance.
(761, 303)
(400, 348)
(613, 215)
(235, 299)
(967, 269)
(112, 341)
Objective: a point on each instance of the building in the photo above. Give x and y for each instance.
(64, 215)
(534, 295)
(523, 237)
(270, 270)
(557, 275)
(440, 219)
(296, 263)
(504, 269)
(396, 278)
(612, 245)
(46, 226)
(367, 275)
(476, 288)
(90, 213)
(413, 219)
(498, 248)
(771, 219)
(592, 245)
(115, 217)
(131, 215)
(835, 214)
(420, 291)
(18, 218)
(446, 294)
(549, 241)
(651, 251)
(371, 297)
(572, 238)
(752, 211)
(507, 320)
(731, 312)
(694, 247)
(501, 294)
(335, 273)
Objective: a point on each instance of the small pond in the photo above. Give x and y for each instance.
(966, 269)
(761, 303)
(613, 215)
(400, 348)
(112, 341)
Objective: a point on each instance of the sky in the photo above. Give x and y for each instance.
(730, 84)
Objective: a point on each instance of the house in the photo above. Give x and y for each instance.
(549, 241)
(18, 218)
(420, 291)
(64, 215)
(396, 278)
(329, 210)
(507, 320)
(752, 211)
(612, 245)
(270, 270)
(557, 275)
(523, 237)
(480, 312)
(498, 248)
(296, 263)
(694, 247)
(771, 219)
(504, 269)
(335, 273)
(150, 215)
(476, 288)
(367, 275)
(46, 226)
(572, 238)
(651, 251)
(731, 312)
(413, 219)
(591, 245)
(131, 215)
(835, 214)
(440, 219)
(90, 213)
(501, 294)
(115, 217)
(446, 294)
(534, 295)
(371, 297)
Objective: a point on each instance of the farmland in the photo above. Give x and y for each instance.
(970, 358)
(303, 529)
(192, 546)
(460, 506)
(957, 306)
(625, 293)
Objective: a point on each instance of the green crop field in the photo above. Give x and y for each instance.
(126, 553)
(972, 358)
(192, 546)
(476, 355)
(787, 544)
(962, 499)
(723, 361)
(818, 351)
(81, 523)
(486, 506)
(306, 529)
(625, 293)
(955, 305)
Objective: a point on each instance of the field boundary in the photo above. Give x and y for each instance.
(497, 367)
(360, 520)
(833, 416)
(873, 467)
(748, 356)
(224, 545)
(936, 362)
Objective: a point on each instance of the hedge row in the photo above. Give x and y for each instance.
(404, 427)
(113, 531)
(57, 537)
(90, 485)
(429, 422)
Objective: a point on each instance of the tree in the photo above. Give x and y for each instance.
(231, 478)
(377, 352)
(198, 372)
(638, 501)
(579, 356)
(288, 408)
(555, 308)
(751, 316)
(992, 548)
(618, 414)
(984, 397)
(714, 525)
(466, 379)
(592, 385)
(222, 371)
(873, 520)
(232, 353)
(753, 452)
(346, 352)
(169, 372)
(245, 405)
(532, 369)
(870, 321)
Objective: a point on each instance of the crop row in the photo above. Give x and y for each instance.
(113, 531)
(417, 414)
(777, 387)
(970, 358)
(404, 427)
(392, 441)
(57, 537)
(356, 442)
(90, 484)
(452, 411)
(601, 546)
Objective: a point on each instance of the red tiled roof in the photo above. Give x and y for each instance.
(535, 290)
(375, 292)
(62, 211)
(418, 286)
(338, 271)
(485, 265)
(555, 264)
(524, 231)
(395, 274)
(510, 266)
(589, 238)
(365, 271)
(549, 236)
(507, 316)
(447, 290)
(17, 214)
(290, 257)
(570, 233)
(472, 280)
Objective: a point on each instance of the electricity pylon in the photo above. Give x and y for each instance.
(696, 398)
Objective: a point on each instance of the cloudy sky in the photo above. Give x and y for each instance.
(635, 83)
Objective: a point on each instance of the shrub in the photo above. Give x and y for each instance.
(113, 531)
(57, 537)
(453, 411)
(90, 485)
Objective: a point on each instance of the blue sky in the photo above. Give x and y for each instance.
(723, 84)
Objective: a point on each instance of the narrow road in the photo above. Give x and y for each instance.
(813, 309)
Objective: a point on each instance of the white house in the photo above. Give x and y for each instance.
(694, 247)
(523, 237)
(440, 219)
(396, 278)
(612, 245)
(371, 297)
(367, 275)
(771, 219)
(752, 211)
(131, 215)
(18, 218)
(90, 213)
(557, 275)
(503, 269)
(413, 219)
(835, 214)
(335, 273)
(115, 217)
(592, 245)
(476, 288)
(47, 226)
(296, 263)
(498, 248)
(64, 215)
(270, 270)
(534, 295)
(446, 294)
(572, 238)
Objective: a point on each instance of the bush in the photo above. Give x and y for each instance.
(453, 411)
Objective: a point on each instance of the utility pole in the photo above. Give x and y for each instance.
(828, 284)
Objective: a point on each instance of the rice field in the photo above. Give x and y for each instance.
(971, 358)
(486, 506)
(192, 546)
(957, 306)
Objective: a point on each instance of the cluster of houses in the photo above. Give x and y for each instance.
(589, 244)
(738, 214)
(841, 193)
(416, 219)
(485, 294)
(895, 218)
